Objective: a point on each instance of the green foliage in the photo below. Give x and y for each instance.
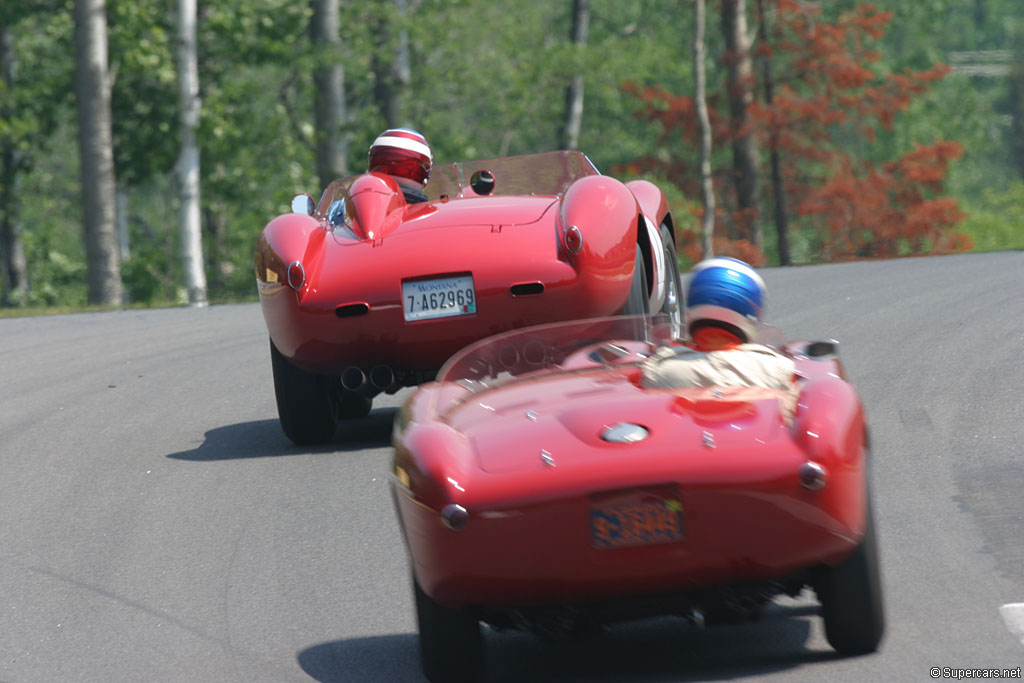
(486, 79)
(144, 96)
(997, 221)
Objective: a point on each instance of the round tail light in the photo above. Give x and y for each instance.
(573, 239)
(296, 275)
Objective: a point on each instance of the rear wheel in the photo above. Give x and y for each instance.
(673, 305)
(451, 643)
(851, 598)
(304, 403)
(638, 302)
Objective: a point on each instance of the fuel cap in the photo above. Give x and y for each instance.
(624, 432)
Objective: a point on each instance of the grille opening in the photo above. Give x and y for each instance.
(351, 310)
(527, 288)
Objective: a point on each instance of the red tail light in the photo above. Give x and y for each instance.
(296, 275)
(573, 239)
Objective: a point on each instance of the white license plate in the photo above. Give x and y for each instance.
(441, 298)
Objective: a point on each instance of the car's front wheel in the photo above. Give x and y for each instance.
(451, 642)
(304, 403)
(851, 598)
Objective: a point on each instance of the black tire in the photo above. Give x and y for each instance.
(674, 304)
(304, 403)
(638, 302)
(851, 598)
(451, 642)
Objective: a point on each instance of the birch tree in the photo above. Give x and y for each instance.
(188, 161)
(700, 104)
(570, 136)
(92, 95)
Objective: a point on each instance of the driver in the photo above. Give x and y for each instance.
(725, 302)
(403, 154)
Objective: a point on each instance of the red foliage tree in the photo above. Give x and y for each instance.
(830, 100)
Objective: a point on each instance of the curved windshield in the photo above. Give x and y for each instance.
(546, 173)
(560, 346)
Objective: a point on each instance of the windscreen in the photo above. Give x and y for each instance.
(495, 360)
(546, 173)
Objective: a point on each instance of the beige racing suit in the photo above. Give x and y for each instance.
(747, 365)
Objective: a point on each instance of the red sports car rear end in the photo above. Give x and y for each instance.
(540, 482)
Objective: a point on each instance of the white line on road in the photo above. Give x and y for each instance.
(1013, 615)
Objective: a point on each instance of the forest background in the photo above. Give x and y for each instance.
(870, 130)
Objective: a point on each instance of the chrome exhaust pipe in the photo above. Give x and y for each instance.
(382, 377)
(352, 378)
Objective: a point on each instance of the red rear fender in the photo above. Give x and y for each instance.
(287, 238)
(829, 427)
(651, 199)
(607, 216)
(433, 461)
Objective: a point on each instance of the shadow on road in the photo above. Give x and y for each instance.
(657, 650)
(264, 439)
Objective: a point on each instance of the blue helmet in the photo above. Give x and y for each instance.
(727, 293)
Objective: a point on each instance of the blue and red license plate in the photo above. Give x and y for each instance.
(634, 518)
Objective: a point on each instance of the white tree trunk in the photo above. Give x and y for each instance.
(188, 162)
(699, 98)
(570, 138)
(95, 146)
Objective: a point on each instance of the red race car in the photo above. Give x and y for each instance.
(366, 293)
(541, 485)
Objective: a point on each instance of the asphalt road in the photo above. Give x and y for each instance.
(158, 526)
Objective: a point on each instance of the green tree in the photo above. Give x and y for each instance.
(33, 92)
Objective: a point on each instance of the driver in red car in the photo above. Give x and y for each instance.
(724, 303)
(403, 154)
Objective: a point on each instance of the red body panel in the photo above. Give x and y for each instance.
(500, 240)
(734, 462)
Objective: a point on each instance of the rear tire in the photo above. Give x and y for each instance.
(638, 302)
(851, 598)
(451, 642)
(304, 403)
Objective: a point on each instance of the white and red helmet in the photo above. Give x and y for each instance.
(401, 152)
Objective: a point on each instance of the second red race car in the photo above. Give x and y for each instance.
(366, 293)
(545, 483)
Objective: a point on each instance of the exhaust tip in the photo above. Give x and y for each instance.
(382, 377)
(352, 378)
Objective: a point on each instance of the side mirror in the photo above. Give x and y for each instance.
(304, 204)
(482, 182)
